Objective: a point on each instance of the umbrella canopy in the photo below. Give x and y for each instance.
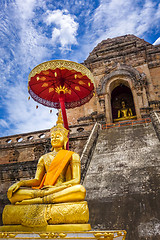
(61, 84)
(49, 79)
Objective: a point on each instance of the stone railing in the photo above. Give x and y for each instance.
(89, 149)
(155, 117)
(31, 137)
(24, 137)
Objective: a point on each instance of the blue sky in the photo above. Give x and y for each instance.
(34, 31)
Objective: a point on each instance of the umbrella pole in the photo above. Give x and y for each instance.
(65, 121)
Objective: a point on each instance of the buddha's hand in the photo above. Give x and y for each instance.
(13, 189)
(47, 187)
(63, 185)
(59, 184)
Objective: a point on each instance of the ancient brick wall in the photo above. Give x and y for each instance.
(155, 75)
(106, 58)
(11, 173)
(30, 146)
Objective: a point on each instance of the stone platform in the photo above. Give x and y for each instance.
(100, 235)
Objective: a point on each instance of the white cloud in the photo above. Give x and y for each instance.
(25, 8)
(157, 41)
(24, 45)
(64, 28)
(32, 47)
(23, 113)
(3, 123)
(119, 17)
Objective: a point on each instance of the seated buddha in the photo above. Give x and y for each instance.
(124, 113)
(57, 178)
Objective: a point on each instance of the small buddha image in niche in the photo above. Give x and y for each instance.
(122, 104)
(124, 112)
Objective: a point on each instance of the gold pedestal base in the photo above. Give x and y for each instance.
(48, 228)
(42, 215)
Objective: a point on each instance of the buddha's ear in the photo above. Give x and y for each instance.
(65, 143)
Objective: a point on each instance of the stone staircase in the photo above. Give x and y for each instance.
(123, 181)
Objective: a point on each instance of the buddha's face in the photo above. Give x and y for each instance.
(57, 139)
(123, 104)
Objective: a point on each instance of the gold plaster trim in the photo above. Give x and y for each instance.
(99, 235)
(62, 64)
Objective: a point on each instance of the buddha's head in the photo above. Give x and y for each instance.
(59, 134)
(123, 104)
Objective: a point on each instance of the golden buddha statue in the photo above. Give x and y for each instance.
(124, 113)
(57, 179)
(55, 195)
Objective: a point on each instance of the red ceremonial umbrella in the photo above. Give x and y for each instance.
(61, 84)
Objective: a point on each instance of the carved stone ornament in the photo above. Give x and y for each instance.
(122, 71)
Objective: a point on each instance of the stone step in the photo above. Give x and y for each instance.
(123, 179)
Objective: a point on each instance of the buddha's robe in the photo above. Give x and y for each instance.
(53, 166)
